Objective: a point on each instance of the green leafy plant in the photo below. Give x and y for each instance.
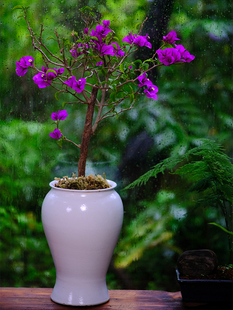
(210, 172)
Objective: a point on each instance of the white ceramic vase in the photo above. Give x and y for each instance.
(82, 228)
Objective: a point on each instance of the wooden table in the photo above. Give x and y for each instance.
(39, 299)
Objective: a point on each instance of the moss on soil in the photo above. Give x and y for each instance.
(89, 182)
(222, 273)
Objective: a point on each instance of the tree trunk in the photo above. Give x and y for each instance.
(87, 132)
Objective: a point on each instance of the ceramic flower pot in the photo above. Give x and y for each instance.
(82, 228)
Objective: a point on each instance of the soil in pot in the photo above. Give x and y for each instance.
(221, 273)
(82, 183)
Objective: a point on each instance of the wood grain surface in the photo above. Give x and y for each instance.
(12, 298)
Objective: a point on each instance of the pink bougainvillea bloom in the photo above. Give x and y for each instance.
(60, 115)
(180, 48)
(82, 50)
(129, 38)
(105, 49)
(100, 63)
(143, 80)
(106, 23)
(43, 79)
(100, 32)
(23, 64)
(78, 86)
(170, 38)
(86, 30)
(59, 71)
(137, 40)
(187, 57)
(40, 80)
(118, 51)
(56, 134)
(169, 56)
(142, 41)
(151, 91)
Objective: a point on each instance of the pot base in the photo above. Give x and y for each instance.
(80, 294)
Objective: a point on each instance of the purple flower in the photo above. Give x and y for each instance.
(151, 91)
(105, 49)
(86, 30)
(23, 64)
(130, 67)
(129, 38)
(78, 86)
(143, 80)
(170, 38)
(106, 23)
(118, 51)
(101, 31)
(137, 40)
(169, 56)
(82, 50)
(41, 81)
(100, 63)
(142, 41)
(187, 57)
(56, 134)
(180, 48)
(44, 78)
(60, 115)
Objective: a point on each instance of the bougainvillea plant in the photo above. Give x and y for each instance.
(97, 70)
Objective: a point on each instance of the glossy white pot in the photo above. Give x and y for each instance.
(82, 228)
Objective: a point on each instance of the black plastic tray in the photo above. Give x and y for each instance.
(204, 290)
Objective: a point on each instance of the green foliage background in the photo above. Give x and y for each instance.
(194, 102)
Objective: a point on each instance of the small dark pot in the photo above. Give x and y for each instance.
(202, 290)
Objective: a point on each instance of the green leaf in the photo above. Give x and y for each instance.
(57, 95)
(113, 97)
(18, 7)
(224, 229)
(20, 16)
(63, 104)
(121, 67)
(49, 38)
(145, 66)
(51, 70)
(59, 142)
(85, 8)
(138, 25)
(131, 97)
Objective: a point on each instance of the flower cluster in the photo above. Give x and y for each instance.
(96, 54)
(58, 116)
(172, 55)
(23, 64)
(44, 78)
(151, 91)
(98, 44)
(170, 38)
(78, 86)
(137, 40)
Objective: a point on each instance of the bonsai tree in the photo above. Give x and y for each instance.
(97, 70)
(210, 172)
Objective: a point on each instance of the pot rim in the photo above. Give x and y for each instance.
(200, 280)
(111, 183)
